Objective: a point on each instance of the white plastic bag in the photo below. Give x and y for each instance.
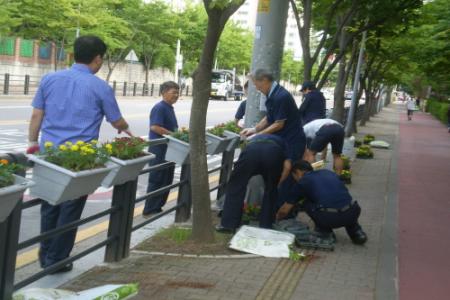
(379, 144)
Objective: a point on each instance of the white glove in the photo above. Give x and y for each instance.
(248, 131)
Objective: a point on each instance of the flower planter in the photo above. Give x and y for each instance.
(56, 185)
(125, 170)
(217, 144)
(235, 140)
(10, 195)
(177, 150)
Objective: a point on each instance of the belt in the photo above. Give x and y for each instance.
(337, 210)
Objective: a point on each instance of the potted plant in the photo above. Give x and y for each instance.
(357, 143)
(250, 214)
(233, 131)
(218, 139)
(364, 152)
(69, 171)
(178, 146)
(12, 188)
(346, 176)
(368, 138)
(128, 159)
(346, 161)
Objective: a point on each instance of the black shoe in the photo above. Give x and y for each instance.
(221, 229)
(63, 269)
(359, 237)
(151, 213)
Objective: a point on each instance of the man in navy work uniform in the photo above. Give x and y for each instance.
(162, 121)
(314, 105)
(69, 106)
(321, 132)
(240, 113)
(267, 155)
(282, 117)
(327, 201)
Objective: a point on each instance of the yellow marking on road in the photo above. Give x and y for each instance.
(13, 122)
(31, 255)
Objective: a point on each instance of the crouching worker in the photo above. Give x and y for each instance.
(327, 201)
(266, 155)
(321, 132)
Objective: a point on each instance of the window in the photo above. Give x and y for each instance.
(26, 48)
(45, 50)
(7, 46)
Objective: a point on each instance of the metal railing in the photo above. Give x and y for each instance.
(11, 84)
(120, 228)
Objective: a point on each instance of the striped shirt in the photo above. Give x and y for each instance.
(74, 102)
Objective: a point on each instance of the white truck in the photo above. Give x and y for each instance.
(224, 85)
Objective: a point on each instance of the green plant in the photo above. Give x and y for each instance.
(231, 126)
(438, 109)
(79, 156)
(357, 143)
(368, 138)
(346, 161)
(295, 255)
(364, 152)
(128, 147)
(251, 212)
(218, 130)
(6, 173)
(181, 134)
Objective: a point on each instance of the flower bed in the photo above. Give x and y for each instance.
(69, 171)
(364, 152)
(368, 138)
(251, 213)
(346, 176)
(128, 158)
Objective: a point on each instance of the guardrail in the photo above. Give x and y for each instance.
(120, 228)
(11, 84)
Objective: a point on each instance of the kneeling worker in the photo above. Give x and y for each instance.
(320, 132)
(327, 201)
(267, 155)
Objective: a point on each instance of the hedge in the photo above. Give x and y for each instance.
(438, 109)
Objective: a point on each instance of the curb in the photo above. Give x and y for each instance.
(236, 256)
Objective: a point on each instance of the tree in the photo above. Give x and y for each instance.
(218, 14)
(9, 16)
(291, 69)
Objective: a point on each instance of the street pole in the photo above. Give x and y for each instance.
(177, 58)
(267, 50)
(351, 113)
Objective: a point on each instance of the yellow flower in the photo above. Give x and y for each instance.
(48, 144)
(63, 148)
(94, 142)
(80, 143)
(91, 151)
(75, 148)
(84, 149)
(3, 162)
(69, 144)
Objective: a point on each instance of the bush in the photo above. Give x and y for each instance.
(438, 109)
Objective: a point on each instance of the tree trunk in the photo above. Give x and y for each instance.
(368, 104)
(339, 93)
(202, 229)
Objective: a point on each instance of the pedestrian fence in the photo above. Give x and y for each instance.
(11, 84)
(121, 220)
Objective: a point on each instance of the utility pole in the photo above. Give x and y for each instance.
(351, 113)
(267, 50)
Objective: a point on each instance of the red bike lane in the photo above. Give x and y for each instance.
(424, 208)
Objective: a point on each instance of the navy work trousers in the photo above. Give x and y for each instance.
(258, 158)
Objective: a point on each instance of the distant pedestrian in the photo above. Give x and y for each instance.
(240, 113)
(418, 103)
(69, 106)
(410, 107)
(314, 104)
(162, 121)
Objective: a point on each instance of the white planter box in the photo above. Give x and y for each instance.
(10, 195)
(217, 144)
(177, 150)
(125, 170)
(235, 140)
(56, 185)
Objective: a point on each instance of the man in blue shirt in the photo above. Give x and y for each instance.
(327, 201)
(314, 105)
(240, 113)
(282, 117)
(162, 121)
(70, 106)
(266, 155)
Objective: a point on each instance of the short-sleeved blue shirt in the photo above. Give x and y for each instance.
(74, 102)
(321, 188)
(162, 114)
(240, 113)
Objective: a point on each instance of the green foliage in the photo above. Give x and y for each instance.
(439, 109)
(181, 134)
(217, 130)
(346, 160)
(364, 152)
(6, 172)
(368, 138)
(128, 147)
(231, 126)
(291, 69)
(250, 213)
(77, 157)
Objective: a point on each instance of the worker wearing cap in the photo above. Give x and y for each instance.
(313, 106)
(327, 201)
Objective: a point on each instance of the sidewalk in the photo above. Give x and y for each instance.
(350, 272)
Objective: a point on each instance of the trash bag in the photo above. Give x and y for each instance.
(379, 144)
